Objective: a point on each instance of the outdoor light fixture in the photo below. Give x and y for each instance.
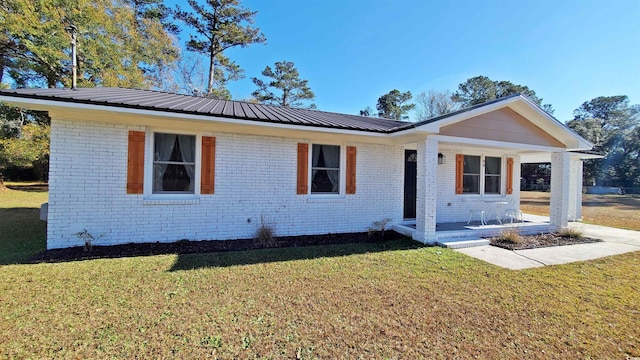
(440, 158)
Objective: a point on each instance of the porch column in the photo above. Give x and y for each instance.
(575, 186)
(427, 190)
(560, 189)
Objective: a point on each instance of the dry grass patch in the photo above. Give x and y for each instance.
(511, 236)
(572, 234)
(620, 211)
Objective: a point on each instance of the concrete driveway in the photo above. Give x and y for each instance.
(615, 242)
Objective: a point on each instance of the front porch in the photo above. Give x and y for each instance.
(461, 234)
(468, 164)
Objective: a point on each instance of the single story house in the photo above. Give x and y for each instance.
(144, 166)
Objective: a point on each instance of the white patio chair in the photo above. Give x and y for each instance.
(476, 212)
(513, 213)
(480, 214)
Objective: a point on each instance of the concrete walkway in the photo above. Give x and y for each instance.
(615, 242)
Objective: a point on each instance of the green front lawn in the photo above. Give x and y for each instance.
(392, 300)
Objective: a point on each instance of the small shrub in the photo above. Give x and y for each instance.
(571, 234)
(378, 227)
(264, 234)
(511, 236)
(88, 239)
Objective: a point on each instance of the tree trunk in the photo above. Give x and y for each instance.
(211, 73)
(2, 187)
(2, 60)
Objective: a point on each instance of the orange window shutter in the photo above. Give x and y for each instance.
(135, 163)
(303, 169)
(351, 170)
(208, 173)
(459, 173)
(509, 176)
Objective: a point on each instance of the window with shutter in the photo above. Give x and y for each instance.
(482, 175)
(322, 169)
(174, 163)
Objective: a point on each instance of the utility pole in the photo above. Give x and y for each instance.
(74, 62)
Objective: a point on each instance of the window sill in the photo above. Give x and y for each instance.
(478, 197)
(191, 200)
(315, 198)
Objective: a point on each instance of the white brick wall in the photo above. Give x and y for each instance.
(255, 176)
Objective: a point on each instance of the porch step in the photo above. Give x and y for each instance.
(462, 243)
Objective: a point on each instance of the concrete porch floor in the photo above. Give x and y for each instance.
(461, 235)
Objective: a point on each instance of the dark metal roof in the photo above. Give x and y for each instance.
(186, 104)
(175, 103)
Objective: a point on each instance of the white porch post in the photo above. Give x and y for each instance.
(427, 190)
(560, 189)
(575, 186)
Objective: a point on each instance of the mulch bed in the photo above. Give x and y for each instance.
(188, 247)
(540, 240)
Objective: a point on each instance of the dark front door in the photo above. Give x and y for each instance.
(410, 172)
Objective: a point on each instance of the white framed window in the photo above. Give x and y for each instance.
(173, 167)
(482, 175)
(174, 164)
(325, 169)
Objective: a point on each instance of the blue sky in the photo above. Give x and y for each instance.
(352, 52)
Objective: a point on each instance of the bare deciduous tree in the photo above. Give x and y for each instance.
(434, 103)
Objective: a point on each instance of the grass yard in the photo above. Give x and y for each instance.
(394, 300)
(620, 211)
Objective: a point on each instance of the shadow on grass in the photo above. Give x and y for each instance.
(22, 235)
(249, 257)
(30, 187)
